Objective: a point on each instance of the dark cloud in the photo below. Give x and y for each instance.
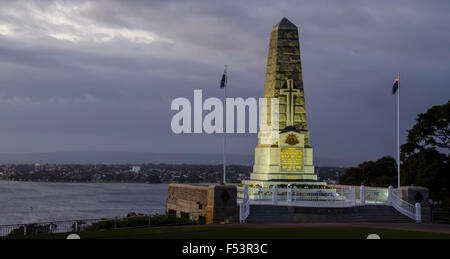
(101, 75)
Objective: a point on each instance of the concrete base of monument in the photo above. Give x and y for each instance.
(300, 184)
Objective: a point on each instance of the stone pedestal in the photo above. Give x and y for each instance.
(287, 162)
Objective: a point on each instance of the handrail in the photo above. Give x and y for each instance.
(404, 207)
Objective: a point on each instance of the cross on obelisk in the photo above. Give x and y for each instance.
(290, 92)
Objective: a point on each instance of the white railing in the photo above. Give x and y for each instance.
(376, 196)
(244, 207)
(412, 211)
(299, 197)
(343, 197)
(316, 197)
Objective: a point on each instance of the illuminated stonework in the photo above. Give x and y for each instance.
(288, 158)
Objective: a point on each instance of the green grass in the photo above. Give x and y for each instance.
(245, 232)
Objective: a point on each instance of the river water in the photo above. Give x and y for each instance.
(29, 202)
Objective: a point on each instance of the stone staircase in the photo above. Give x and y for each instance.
(285, 214)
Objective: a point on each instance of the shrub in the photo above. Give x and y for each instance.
(133, 220)
(33, 229)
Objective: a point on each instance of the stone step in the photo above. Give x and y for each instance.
(369, 213)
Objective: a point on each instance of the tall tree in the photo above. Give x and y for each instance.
(425, 155)
(432, 130)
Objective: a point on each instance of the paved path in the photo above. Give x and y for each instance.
(435, 228)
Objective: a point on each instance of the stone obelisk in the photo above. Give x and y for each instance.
(288, 158)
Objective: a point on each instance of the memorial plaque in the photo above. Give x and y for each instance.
(291, 159)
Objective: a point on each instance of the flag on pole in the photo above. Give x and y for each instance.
(223, 82)
(395, 86)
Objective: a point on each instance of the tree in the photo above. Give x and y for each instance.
(382, 173)
(422, 162)
(352, 176)
(432, 130)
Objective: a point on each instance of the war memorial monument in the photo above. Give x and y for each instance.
(283, 186)
(287, 158)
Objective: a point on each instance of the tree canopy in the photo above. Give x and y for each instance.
(382, 173)
(425, 155)
(432, 131)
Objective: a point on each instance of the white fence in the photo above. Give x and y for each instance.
(407, 209)
(315, 197)
(330, 198)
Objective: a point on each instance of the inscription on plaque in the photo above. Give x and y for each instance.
(290, 159)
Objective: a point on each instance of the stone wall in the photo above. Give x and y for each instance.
(214, 203)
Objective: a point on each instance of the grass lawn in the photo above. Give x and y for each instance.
(246, 232)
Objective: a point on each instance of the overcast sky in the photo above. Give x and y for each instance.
(101, 75)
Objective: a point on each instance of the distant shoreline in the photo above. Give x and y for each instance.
(37, 181)
(140, 158)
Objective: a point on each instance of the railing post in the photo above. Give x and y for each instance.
(240, 212)
(390, 193)
(289, 195)
(294, 193)
(351, 195)
(246, 197)
(244, 206)
(418, 213)
(362, 195)
(274, 195)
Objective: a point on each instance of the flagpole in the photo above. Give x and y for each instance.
(398, 131)
(224, 127)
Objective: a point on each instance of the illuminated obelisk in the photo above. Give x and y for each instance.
(287, 159)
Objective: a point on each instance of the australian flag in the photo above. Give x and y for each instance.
(395, 86)
(223, 82)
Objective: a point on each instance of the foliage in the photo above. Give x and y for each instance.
(432, 131)
(425, 155)
(33, 229)
(133, 220)
(382, 173)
